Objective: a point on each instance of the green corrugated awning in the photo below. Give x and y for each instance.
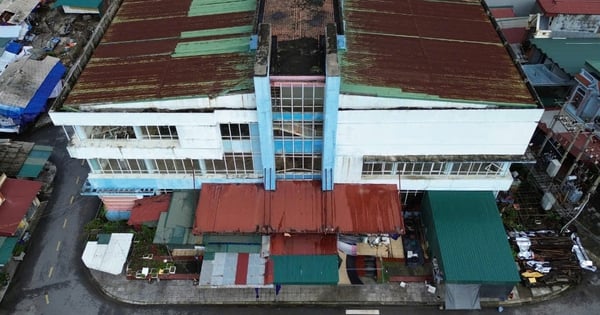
(78, 3)
(174, 226)
(466, 234)
(35, 161)
(7, 244)
(305, 269)
(571, 53)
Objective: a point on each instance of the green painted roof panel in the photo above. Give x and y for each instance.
(243, 29)
(469, 237)
(6, 249)
(211, 7)
(570, 54)
(305, 269)
(212, 47)
(35, 161)
(174, 226)
(78, 3)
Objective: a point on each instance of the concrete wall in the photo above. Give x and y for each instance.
(435, 132)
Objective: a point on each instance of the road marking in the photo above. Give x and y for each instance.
(50, 272)
(58, 246)
(47, 299)
(362, 312)
(77, 180)
(72, 198)
(65, 223)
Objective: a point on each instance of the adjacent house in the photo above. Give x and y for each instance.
(18, 203)
(325, 104)
(566, 19)
(25, 87)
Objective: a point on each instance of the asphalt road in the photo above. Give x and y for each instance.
(53, 280)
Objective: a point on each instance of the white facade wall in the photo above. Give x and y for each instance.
(431, 132)
(199, 135)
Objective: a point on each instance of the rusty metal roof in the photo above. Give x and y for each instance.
(428, 49)
(553, 7)
(367, 208)
(149, 209)
(170, 49)
(19, 195)
(298, 207)
(303, 244)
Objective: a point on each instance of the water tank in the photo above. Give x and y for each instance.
(548, 201)
(553, 168)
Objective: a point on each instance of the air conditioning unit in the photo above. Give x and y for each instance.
(548, 201)
(553, 168)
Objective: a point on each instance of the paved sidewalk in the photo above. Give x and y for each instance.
(185, 292)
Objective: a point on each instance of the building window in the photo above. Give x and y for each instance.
(110, 132)
(137, 166)
(297, 163)
(159, 132)
(121, 166)
(379, 167)
(236, 163)
(297, 129)
(235, 131)
(476, 168)
(298, 98)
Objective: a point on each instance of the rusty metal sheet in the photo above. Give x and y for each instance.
(366, 208)
(303, 244)
(296, 206)
(135, 62)
(446, 49)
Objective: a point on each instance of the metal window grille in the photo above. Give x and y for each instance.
(138, 166)
(159, 132)
(235, 131)
(297, 163)
(236, 163)
(371, 168)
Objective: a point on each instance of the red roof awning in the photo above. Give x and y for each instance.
(19, 195)
(148, 209)
(298, 207)
(500, 13)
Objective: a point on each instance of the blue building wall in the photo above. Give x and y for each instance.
(262, 87)
(332, 98)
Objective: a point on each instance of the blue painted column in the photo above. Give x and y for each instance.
(262, 91)
(330, 109)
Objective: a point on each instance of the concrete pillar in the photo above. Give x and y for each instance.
(262, 91)
(330, 108)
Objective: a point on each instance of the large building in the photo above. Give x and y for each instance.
(415, 95)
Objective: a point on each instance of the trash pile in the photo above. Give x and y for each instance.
(546, 258)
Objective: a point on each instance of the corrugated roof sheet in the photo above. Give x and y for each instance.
(503, 12)
(148, 209)
(165, 50)
(569, 53)
(13, 155)
(174, 226)
(305, 269)
(552, 7)
(473, 247)
(19, 195)
(428, 49)
(300, 207)
(367, 208)
(303, 244)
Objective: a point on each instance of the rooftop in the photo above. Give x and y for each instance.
(553, 7)
(16, 11)
(170, 49)
(19, 195)
(570, 54)
(428, 49)
(21, 79)
(248, 208)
